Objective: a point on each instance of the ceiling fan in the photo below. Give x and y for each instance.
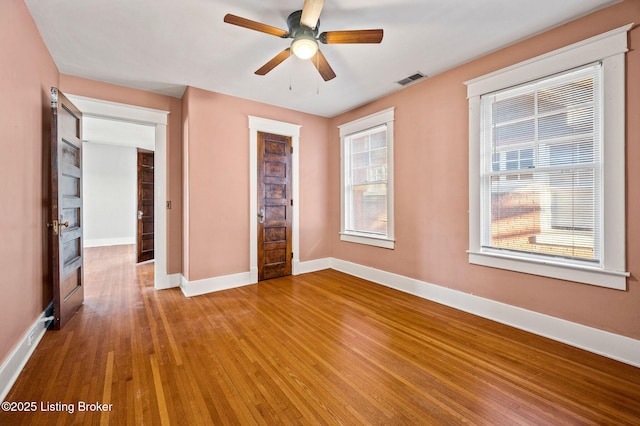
(303, 29)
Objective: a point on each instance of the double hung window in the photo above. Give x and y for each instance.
(547, 164)
(541, 178)
(367, 180)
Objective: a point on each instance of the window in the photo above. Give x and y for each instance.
(540, 191)
(367, 180)
(546, 163)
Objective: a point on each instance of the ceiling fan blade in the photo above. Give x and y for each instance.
(325, 70)
(351, 36)
(311, 12)
(253, 25)
(277, 60)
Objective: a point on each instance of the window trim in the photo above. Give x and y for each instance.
(384, 117)
(608, 48)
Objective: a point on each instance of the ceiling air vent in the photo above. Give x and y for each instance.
(412, 78)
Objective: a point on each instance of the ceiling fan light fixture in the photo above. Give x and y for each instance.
(304, 47)
(304, 26)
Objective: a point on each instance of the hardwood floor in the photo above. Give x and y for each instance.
(320, 348)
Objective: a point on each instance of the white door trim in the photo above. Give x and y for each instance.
(257, 124)
(135, 114)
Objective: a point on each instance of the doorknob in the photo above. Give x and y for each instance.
(261, 216)
(139, 214)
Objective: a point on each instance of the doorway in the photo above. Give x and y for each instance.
(157, 121)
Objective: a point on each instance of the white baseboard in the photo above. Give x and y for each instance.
(168, 281)
(311, 266)
(601, 342)
(209, 285)
(17, 359)
(101, 242)
(175, 280)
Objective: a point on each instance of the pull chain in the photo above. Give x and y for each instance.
(290, 70)
(318, 77)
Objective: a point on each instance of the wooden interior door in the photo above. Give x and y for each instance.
(274, 206)
(66, 208)
(145, 238)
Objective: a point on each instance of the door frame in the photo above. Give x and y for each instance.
(258, 124)
(98, 108)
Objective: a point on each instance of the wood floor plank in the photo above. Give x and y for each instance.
(106, 393)
(159, 391)
(320, 348)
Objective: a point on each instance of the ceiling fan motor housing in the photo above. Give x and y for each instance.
(297, 29)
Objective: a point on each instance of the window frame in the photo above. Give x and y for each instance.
(353, 128)
(608, 48)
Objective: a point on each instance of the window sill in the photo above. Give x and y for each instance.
(577, 273)
(368, 240)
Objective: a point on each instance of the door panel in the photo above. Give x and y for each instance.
(145, 239)
(274, 206)
(66, 208)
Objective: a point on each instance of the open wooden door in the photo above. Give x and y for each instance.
(274, 206)
(145, 238)
(66, 208)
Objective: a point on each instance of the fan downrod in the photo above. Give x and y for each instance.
(296, 28)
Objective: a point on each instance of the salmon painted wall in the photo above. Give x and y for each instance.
(216, 139)
(125, 95)
(431, 188)
(27, 73)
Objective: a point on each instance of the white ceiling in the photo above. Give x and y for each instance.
(165, 45)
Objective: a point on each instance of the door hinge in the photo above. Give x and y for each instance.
(168, 205)
(292, 149)
(54, 97)
(292, 201)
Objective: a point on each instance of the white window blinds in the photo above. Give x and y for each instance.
(541, 167)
